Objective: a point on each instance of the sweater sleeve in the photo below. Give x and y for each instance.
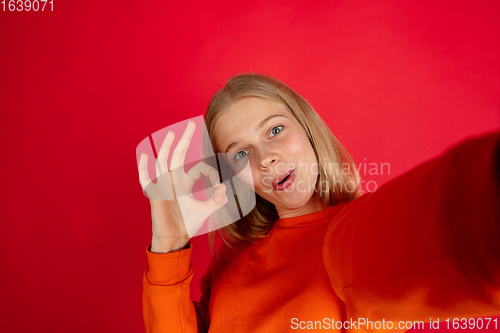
(167, 306)
(427, 243)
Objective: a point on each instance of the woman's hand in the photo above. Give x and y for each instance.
(175, 213)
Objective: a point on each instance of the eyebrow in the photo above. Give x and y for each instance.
(262, 123)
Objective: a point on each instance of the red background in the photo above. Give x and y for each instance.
(397, 81)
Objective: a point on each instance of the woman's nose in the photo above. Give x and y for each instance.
(269, 161)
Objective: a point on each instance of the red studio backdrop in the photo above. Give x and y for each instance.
(83, 82)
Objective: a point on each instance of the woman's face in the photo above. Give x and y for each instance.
(267, 135)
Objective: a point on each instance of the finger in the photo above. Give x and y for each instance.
(204, 209)
(218, 199)
(143, 171)
(180, 151)
(203, 169)
(161, 161)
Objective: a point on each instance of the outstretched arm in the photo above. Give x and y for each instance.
(427, 243)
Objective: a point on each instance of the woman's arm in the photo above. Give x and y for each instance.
(176, 217)
(167, 306)
(427, 243)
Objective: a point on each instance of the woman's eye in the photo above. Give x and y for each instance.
(240, 155)
(276, 130)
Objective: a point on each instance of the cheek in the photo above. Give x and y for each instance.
(293, 145)
(246, 176)
(304, 152)
(251, 179)
(299, 146)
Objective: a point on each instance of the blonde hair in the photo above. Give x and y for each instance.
(342, 181)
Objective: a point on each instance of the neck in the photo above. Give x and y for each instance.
(312, 206)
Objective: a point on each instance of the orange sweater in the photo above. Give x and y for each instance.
(425, 245)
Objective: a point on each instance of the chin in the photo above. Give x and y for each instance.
(295, 201)
(292, 198)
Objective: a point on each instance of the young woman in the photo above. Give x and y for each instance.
(314, 253)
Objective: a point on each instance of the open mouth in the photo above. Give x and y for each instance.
(286, 181)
